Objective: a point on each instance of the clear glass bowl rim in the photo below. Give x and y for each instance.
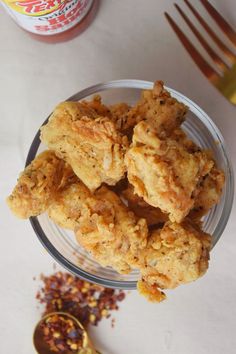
(136, 84)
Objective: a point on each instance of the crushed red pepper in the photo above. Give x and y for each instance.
(61, 334)
(87, 302)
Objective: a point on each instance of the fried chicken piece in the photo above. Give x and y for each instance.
(110, 232)
(37, 185)
(67, 205)
(97, 105)
(161, 110)
(210, 191)
(175, 255)
(90, 144)
(164, 173)
(153, 216)
(118, 113)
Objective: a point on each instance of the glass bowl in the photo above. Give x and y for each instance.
(61, 243)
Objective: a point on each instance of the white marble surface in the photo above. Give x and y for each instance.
(128, 39)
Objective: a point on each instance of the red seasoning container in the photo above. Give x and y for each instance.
(52, 20)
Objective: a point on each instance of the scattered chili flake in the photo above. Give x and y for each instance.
(113, 323)
(61, 334)
(87, 302)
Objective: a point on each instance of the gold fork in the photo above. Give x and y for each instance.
(224, 79)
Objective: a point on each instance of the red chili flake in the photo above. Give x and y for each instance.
(87, 302)
(61, 334)
(113, 323)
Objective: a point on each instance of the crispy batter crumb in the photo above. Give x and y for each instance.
(151, 292)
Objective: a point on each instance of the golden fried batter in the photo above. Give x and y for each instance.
(37, 185)
(209, 194)
(161, 110)
(118, 113)
(120, 116)
(97, 105)
(151, 292)
(68, 177)
(110, 232)
(163, 172)
(66, 208)
(153, 216)
(180, 136)
(174, 255)
(90, 144)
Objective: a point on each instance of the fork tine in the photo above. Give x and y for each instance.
(207, 70)
(222, 23)
(230, 55)
(215, 57)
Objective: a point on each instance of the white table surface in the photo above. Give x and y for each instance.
(128, 39)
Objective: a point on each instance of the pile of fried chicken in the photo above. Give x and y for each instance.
(129, 183)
